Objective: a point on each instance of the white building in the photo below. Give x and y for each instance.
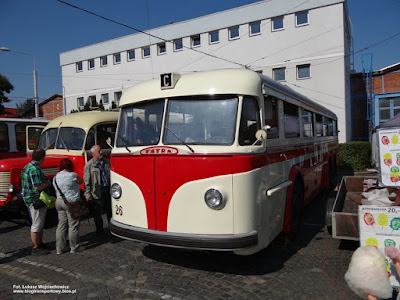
(303, 44)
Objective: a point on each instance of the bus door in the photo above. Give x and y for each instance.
(32, 137)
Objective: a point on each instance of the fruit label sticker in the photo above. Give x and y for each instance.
(389, 156)
(380, 227)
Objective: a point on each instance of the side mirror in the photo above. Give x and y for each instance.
(261, 135)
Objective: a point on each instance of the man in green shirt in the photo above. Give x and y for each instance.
(32, 183)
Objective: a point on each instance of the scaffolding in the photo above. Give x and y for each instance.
(368, 82)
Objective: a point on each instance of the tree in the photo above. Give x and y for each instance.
(5, 87)
(27, 105)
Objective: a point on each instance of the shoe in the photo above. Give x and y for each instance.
(39, 251)
(61, 252)
(76, 250)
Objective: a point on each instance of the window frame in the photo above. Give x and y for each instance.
(230, 33)
(194, 38)
(176, 43)
(143, 52)
(210, 35)
(78, 102)
(301, 66)
(103, 61)
(128, 55)
(284, 73)
(298, 14)
(159, 48)
(104, 97)
(90, 61)
(79, 66)
(251, 33)
(273, 23)
(117, 58)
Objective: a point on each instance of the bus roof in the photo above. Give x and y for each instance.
(84, 120)
(226, 81)
(22, 120)
(218, 82)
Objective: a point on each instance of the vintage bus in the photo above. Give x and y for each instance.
(69, 136)
(13, 136)
(218, 160)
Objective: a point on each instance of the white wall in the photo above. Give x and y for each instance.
(322, 44)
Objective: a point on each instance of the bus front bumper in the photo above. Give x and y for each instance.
(221, 242)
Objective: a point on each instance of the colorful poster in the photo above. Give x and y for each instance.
(380, 228)
(389, 156)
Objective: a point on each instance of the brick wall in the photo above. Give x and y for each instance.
(53, 108)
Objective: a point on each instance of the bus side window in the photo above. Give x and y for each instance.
(291, 119)
(271, 117)
(4, 140)
(90, 139)
(103, 133)
(249, 121)
(20, 136)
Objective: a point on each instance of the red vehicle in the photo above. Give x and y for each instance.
(13, 136)
(69, 136)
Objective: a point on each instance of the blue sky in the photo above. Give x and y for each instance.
(45, 28)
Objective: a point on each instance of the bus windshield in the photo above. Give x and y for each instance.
(201, 120)
(69, 138)
(141, 124)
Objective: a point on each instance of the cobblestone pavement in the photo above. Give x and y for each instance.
(312, 267)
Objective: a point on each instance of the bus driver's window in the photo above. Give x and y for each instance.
(249, 121)
(271, 117)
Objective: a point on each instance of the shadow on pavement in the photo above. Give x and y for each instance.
(266, 261)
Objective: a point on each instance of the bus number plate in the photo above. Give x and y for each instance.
(118, 210)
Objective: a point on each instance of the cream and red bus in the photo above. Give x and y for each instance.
(218, 160)
(69, 136)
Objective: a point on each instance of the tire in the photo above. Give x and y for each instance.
(296, 210)
(328, 214)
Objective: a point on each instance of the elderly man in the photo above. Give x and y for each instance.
(33, 182)
(97, 186)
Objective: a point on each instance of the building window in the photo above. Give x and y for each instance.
(103, 61)
(214, 37)
(117, 58)
(279, 74)
(178, 45)
(104, 99)
(302, 18)
(81, 102)
(303, 71)
(255, 28)
(277, 23)
(146, 51)
(91, 63)
(79, 67)
(388, 108)
(117, 97)
(234, 33)
(195, 40)
(161, 48)
(131, 55)
(92, 101)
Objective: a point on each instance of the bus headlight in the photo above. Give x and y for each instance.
(116, 191)
(214, 199)
(11, 188)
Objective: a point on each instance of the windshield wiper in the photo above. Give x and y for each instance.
(182, 141)
(48, 147)
(64, 143)
(126, 143)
